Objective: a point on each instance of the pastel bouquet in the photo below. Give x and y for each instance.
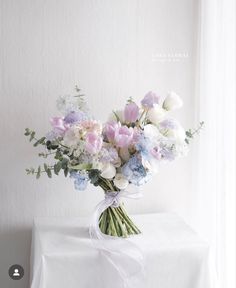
(126, 150)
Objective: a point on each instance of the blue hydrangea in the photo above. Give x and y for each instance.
(80, 180)
(143, 146)
(134, 171)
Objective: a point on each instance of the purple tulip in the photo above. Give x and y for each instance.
(110, 129)
(131, 112)
(123, 136)
(93, 143)
(150, 99)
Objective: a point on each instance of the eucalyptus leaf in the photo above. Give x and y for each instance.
(32, 136)
(49, 173)
(57, 167)
(38, 173)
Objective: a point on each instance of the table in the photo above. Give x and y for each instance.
(63, 256)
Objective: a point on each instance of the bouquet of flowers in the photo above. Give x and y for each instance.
(127, 149)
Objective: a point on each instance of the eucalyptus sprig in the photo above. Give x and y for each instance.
(192, 132)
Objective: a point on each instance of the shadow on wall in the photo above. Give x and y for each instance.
(15, 245)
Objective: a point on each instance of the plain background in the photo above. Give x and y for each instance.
(112, 50)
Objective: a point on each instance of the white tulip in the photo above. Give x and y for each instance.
(156, 114)
(108, 171)
(178, 134)
(120, 181)
(172, 102)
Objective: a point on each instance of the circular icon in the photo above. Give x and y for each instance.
(16, 272)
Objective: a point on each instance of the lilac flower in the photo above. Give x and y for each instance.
(80, 180)
(150, 99)
(134, 171)
(75, 117)
(131, 112)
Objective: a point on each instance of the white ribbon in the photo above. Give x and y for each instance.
(124, 255)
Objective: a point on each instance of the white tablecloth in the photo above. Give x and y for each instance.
(63, 255)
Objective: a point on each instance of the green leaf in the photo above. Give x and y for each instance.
(189, 134)
(45, 166)
(117, 117)
(186, 140)
(94, 176)
(36, 143)
(64, 163)
(66, 171)
(38, 172)
(41, 140)
(58, 155)
(32, 136)
(27, 132)
(49, 173)
(57, 167)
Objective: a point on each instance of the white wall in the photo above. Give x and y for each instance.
(107, 47)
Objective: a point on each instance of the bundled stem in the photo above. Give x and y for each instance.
(115, 221)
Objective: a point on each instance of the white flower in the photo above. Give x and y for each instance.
(120, 181)
(172, 102)
(156, 114)
(178, 134)
(108, 171)
(152, 132)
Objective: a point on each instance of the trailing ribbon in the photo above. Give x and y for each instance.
(124, 255)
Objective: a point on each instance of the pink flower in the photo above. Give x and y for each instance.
(131, 112)
(123, 136)
(93, 143)
(58, 125)
(110, 129)
(150, 99)
(91, 126)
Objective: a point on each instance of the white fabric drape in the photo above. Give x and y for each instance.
(214, 175)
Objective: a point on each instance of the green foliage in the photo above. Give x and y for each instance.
(117, 117)
(57, 167)
(40, 141)
(31, 135)
(38, 174)
(94, 176)
(191, 133)
(30, 171)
